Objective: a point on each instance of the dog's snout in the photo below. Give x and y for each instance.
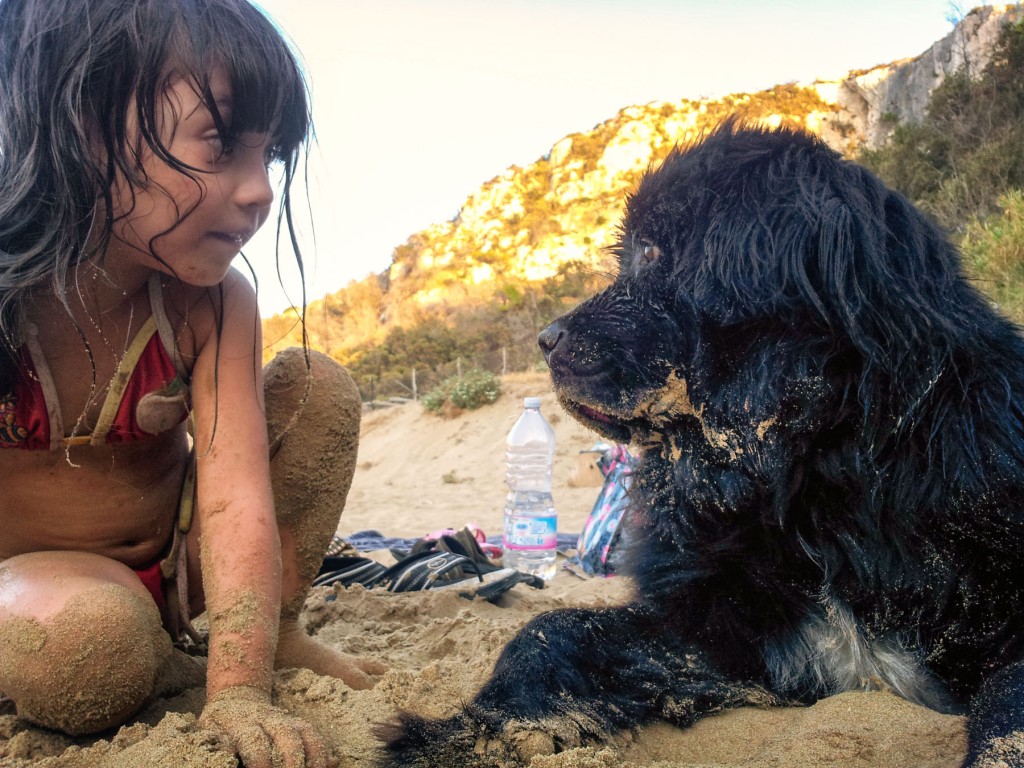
(550, 337)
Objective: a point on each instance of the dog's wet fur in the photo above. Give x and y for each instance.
(832, 479)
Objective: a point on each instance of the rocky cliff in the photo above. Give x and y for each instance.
(873, 101)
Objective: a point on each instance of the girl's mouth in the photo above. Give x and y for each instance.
(235, 238)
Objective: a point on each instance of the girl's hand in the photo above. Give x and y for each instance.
(257, 729)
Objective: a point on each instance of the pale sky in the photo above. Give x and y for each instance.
(416, 103)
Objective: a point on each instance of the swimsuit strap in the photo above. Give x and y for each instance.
(42, 371)
(156, 323)
(174, 566)
(163, 325)
(119, 383)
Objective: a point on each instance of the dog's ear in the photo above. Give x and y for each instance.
(796, 235)
(771, 230)
(888, 276)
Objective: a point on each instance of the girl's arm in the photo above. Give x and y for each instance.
(239, 545)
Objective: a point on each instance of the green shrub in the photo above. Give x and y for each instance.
(434, 400)
(993, 250)
(467, 392)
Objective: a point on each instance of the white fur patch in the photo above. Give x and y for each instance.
(829, 654)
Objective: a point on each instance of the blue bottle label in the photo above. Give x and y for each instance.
(524, 533)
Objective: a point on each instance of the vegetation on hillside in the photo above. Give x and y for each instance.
(498, 334)
(993, 248)
(964, 164)
(464, 392)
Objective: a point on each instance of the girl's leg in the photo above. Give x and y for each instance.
(81, 641)
(313, 424)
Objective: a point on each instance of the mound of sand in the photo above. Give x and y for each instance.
(418, 473)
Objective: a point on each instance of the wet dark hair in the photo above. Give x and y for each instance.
(80, 74)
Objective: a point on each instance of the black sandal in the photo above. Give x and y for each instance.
(348, 570)
(439, 570)
(427, 569)
(464, 544)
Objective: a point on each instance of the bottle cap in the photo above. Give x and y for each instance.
(531, 402)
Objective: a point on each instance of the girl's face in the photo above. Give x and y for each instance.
(195, 227)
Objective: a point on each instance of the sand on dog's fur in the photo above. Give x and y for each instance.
(418, 473)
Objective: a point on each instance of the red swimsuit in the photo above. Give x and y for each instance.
(30, 416)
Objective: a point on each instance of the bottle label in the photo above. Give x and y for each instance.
(531, 532)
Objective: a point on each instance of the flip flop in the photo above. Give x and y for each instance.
(424, 570)
(340, 546)
(348, 570)
(438, 570)
(465, 544)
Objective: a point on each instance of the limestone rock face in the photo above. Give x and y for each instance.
(873, 102)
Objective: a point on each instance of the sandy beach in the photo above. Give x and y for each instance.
(417, 473)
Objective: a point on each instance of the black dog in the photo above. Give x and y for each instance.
(831, 495)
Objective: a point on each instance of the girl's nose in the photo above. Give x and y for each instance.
(254, 188)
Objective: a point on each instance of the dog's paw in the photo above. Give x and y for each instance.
(415, 742)
(475, 740)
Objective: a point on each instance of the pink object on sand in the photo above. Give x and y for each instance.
(491, 550)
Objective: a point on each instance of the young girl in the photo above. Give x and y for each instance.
(142, 487)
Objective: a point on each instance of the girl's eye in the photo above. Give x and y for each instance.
(647, 253)
(219, 149)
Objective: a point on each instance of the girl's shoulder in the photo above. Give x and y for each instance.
(201, 315)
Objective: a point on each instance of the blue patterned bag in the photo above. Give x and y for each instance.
(602, 532)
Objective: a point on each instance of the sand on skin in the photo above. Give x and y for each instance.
(418, 473)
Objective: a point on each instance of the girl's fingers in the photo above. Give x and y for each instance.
(257, 730)
(285, 733)
(315, 749)
(253, 746)
(298, 744)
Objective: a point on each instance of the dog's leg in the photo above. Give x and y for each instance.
(571, 677)
(995, 722)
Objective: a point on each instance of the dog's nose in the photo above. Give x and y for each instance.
(550, 337)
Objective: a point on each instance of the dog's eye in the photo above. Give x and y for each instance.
(647, 253)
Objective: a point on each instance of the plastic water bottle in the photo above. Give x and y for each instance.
(531, 523)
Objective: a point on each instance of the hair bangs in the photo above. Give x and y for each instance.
(268, 91)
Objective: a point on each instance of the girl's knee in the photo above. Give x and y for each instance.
(288, 382)
(306, 402)
(88, 667)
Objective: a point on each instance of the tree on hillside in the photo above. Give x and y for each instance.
(969, 149)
